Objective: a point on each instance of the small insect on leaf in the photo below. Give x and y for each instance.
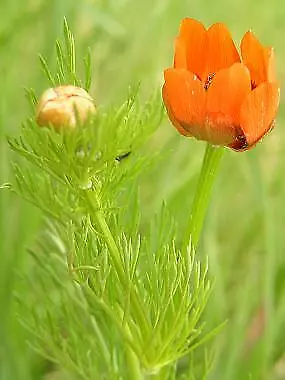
(122, 156)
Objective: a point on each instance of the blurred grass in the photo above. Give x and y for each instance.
(244, 236)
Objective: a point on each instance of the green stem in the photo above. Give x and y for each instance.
(115, 256)
(161, 375)
(208, 174)
(133, 364)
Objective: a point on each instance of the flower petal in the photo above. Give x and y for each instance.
(259, 59)
(258, 112)
(227, 91)
(180, 56)
(225, 96)
(221, 52)
(192, 36)
(184, 98)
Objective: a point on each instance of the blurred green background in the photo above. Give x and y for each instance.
(244, 235)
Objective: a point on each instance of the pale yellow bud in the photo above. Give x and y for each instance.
(59, 106)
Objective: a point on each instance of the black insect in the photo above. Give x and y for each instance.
(122, 156)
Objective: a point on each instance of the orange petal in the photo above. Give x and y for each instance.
(221, 52)
(259, 60)
(258, 112)
(180, 128)
(225, 96)
(192, 36)
(180, 56)
(184, 98)
(227, 91)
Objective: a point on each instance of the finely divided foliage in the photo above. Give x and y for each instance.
(108, 301)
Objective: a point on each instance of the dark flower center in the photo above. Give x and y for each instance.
(209, 81)
(253, 85)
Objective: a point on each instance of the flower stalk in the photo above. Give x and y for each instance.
(210, 166)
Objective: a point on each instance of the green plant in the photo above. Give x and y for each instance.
(109, 300)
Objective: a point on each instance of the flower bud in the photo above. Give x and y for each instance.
(60, 106)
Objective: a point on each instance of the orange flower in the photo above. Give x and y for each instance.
(213, 94)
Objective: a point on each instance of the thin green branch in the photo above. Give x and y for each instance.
(114, 252)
